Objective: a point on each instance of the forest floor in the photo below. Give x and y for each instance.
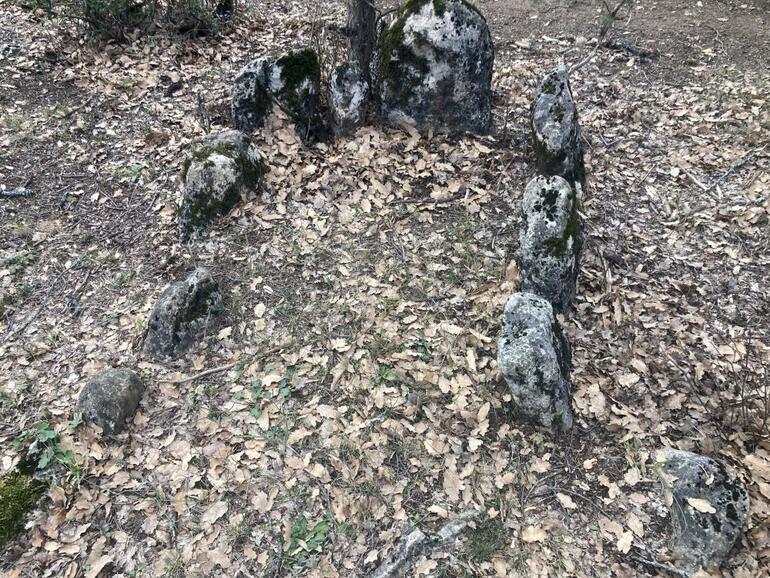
(364, 289)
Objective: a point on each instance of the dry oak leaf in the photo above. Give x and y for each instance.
(624, 542)
(532, 534)
(566, 501)
(702, 505)
(213, 513)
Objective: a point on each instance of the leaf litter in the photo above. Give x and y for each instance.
(364, 292)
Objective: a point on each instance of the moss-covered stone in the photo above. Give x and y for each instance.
(556, 130)
(551, 240)
(434, 68)
(19, 494)
(292, 82)
(216, 174)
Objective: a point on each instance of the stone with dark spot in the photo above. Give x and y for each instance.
(535, 359)
(703, 540)
(348, 99)
(110, 399)
(292, 81)
(555, 128)
(221, 169)
(550, 241)
(434, 68)
(182, 313)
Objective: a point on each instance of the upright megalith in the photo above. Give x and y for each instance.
(182, 313)
(219, 171)
(550, 241)
(434, 68)
(292, 82)
(535, 359)
(348, 98)
(555, 128)
(110, 399)
(709, 507)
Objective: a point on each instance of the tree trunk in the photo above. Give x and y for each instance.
(362, 34)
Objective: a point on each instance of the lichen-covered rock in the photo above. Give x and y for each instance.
(110, 399)
(221, 169)
(550, 241)
(348, 98)
(183, 311)
(534, 357)
(709, 508)
(434, 68)
(555, 128)
(292, 81)
(19, 493)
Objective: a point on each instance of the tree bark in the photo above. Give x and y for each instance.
(362, 33)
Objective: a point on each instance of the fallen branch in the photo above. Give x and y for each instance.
(729, 205)
(16, 193)
(742, 161)
(415, 542)
(659, 566)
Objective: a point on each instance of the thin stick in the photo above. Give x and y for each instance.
(602, 33)
(746, 158)
(658, 566)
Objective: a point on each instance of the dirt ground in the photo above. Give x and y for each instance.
(364, 290)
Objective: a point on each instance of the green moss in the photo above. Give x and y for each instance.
(18, 495)
(558, 246)
(488, 537)
(298, 66)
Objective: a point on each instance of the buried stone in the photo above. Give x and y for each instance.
(550, 241)
(348, 98)
(709, 509)
(292, 82)
(110, 399)
(434, 68)
(183, 311)
(534, 357)
(221, 169)
(555, 128)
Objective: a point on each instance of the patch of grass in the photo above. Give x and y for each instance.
(488, 537)
(44, 445)
(121, 280)
(305, 539)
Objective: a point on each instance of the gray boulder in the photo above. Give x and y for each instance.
(292, 81)
(182, 313)
(535, 359)
(555, 128)
(550, 241)
(434, 68)
(221, 169)
(348, 99)
(709, 510)
(110, 399)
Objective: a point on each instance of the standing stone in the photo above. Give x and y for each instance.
(710, 506)
(183, 311)
(534, 357)
(434, 68)
(292, 81)
(110, 399)
(555, 128)
(550, 241)
(221, 169)
(348, 98)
